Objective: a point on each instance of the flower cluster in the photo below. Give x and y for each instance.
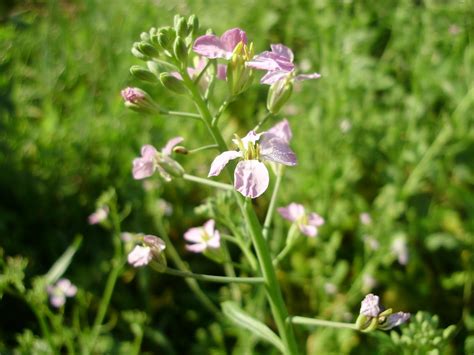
(59, 291)
(373, 315)
(307, 223)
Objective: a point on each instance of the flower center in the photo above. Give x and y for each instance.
(250, 148)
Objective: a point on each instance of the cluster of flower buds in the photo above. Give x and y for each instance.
(373, 316)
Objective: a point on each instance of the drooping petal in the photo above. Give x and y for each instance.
(143, 168)
(292, 212)
(273, 76)
(277, 150)
(310, 231)
(370, 306)
(196, 248)
(231, 38)
(168, 148)
(302, 77)
(251, 178)
(283, 51)
(315, 219)
(210, 46)
(140, 256)
(394, 320)
(221, 161)
(209, 227)
(194, 235)
(282, 130)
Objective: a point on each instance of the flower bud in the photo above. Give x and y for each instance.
(172, 83)
(141, 73)
(169, 168)
(157, 246)
(138, 100)
(179, 149)
(181, 27)
(144, 36)
(153, 67)
(193, 24)
(147, 49)
(239, 76)
(278, 95)
(180, 49)
(154, 36)
(166, 36)
(137, 53)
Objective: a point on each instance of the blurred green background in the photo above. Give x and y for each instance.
(387, 130)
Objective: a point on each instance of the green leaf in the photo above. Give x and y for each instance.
(244, 320)
(61, 265)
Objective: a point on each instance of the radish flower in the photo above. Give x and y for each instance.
(251, 177)
(142, 255)
(202, 238)
(307, 223)
(58, 292)
(373, 315)
(213, 47)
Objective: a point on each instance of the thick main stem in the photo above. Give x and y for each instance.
(272, 287)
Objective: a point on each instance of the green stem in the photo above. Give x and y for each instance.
(320, 323)
(204, 147)
(44, 327)
(291, 241)
(208, 182)
(201, 73)
(272, 287)
(214, 278)
(262, 122)
(223, 107)
(180, 114)
(248, 255)
(230, 271)
(271, 206)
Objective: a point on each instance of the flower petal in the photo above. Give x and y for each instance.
(209, 227)
(282, 130)
(221, 161)
(273, 76)
(302, 77)
(210, 46)
(277, 150)
(148, 151)
(310, 231)
(370, 306)
(196, 248)
(57, 300)
(251, 178)
(231, 38)
(215, 241)
(140, 256)
(264, 61)
(194, 235)
(315, 219)
(168, 148)
(394, 320)
(292, 212)
(282, 51)
(143, 168)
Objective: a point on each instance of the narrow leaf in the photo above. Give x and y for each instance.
(61, 265)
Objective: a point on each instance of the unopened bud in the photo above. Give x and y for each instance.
(172, 83)
(166, 36)
(170, 167)
(180, 49)
(138, 100)
(239, 76)
(278, 95)
(193, 24)
(148, 49)
(181, 27)
(137, 53)
(153, 67)
(141, 73)
(157, 247)
(179, 149)
(144, 36)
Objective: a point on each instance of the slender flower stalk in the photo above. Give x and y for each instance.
(214, 278)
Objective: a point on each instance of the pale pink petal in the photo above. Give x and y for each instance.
(215, 241)
(168, 148)
(370, 306)
(394, 320)
(221, 71)
(310, 231)
(210, 46)
(251, 178)
(148, 151)
(282, 130)
(231, 38)
(66, 287)
(99, 215)
(194, 235)
(273, 76)
(251, 137)
(140, 256)
(178, 75)
(302, 77)
(209, 227)
(315, 219)
(196, 248)
(157, 244)
(143, 168)
(292, 212)
(221, 161)
(57, 300)
(283, 51)
(264, 61)
(277, 150)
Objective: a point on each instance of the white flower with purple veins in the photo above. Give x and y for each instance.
(141, 255)
(370, 306)
(279, 65)
(99, 215)
(152, 160)
(58, 292)
(251, 176)
(202, 238)
(307, 223)
(213, 47)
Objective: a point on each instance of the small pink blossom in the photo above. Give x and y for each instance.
(307, 223)
(370, 308)
(279, 65)
(251, 177)
(133, 95)
(140, 256)
(202, 238)
(152, 160)
(99, 215)
(58, 292)
(213, 47)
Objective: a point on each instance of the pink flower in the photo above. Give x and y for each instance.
(251, 176)
(279, 65)
(212, 47)
(152, 160)
(58, 292)
(370, 308)
(133, 95)
(203, 237)
(307, 223)
(141, 255)
(99, 215)
(199, 66)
